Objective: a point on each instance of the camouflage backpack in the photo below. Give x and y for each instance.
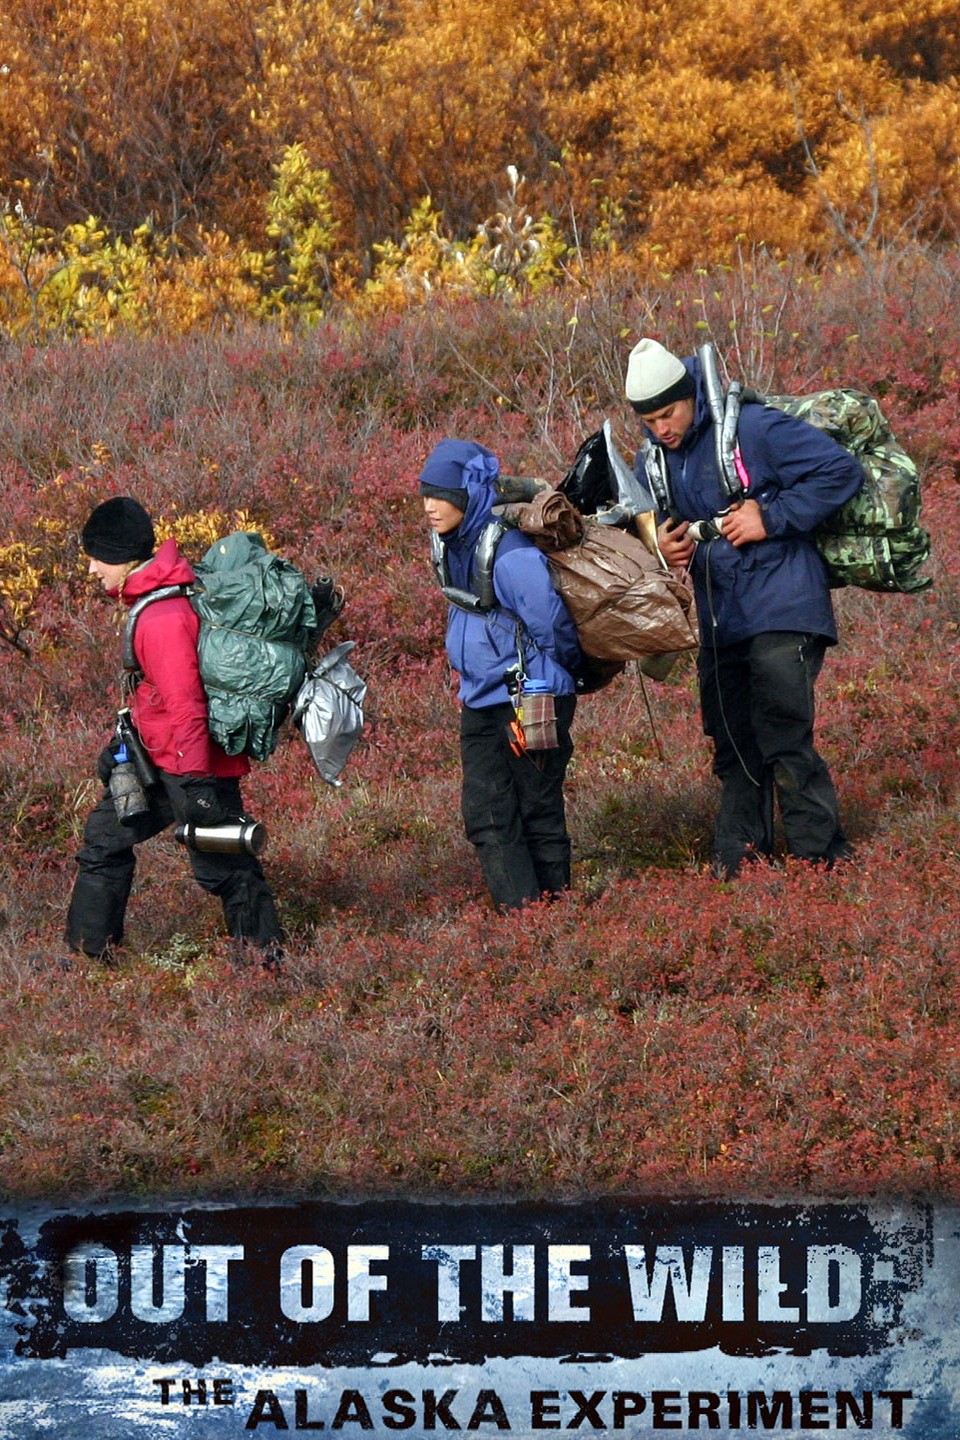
(875, 539)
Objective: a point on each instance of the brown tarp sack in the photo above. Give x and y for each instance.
(548, 518)
(624, 604)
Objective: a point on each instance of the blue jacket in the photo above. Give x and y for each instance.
(798, 476)
(482, 647)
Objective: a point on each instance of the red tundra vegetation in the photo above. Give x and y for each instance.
(795, 1032)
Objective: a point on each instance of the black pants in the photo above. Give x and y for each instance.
(758, 708)
(107, 862)
(513, 807)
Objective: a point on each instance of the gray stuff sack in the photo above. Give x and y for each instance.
(328, 711)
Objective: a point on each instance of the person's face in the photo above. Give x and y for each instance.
(669, 425)
(111, 577)
(441, 515)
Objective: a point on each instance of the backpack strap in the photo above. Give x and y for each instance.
(482, 598)
(166, 592)
(658, 476)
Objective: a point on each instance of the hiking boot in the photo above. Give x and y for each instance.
(843, 854)
(110, 957)
(42, 961)
(244, 954)
(727, 866)
(838, 855)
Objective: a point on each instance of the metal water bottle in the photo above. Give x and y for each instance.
(129, 797)
(235, 837)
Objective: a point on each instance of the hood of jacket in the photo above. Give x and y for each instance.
(167, 567)
(465, 465)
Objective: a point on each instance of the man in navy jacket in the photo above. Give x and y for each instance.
(763, 601)
(512, 804)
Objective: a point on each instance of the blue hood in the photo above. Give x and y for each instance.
(465, 465)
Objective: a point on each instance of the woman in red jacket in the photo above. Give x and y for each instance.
(198, 782)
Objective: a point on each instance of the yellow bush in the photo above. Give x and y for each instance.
(164, 119)
(21, 578)
(196, 531)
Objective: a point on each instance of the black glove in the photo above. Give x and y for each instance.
(106, 760)
(201, 803)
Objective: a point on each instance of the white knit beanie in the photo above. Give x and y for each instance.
(656, 378)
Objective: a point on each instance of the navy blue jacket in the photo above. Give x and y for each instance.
(481, 648)
(798, 476)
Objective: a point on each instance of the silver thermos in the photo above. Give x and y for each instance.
(236, 837)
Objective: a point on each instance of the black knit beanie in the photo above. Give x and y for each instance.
(458, 498)
(119, 530)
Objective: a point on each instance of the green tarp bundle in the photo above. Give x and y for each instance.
(256, 618)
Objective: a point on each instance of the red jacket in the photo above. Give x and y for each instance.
(169, 707)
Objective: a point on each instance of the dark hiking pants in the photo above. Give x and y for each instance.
(757, 699)
(107, 862)
(513, 806)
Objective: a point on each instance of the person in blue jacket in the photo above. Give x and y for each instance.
(512, 803)
(763, 601)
